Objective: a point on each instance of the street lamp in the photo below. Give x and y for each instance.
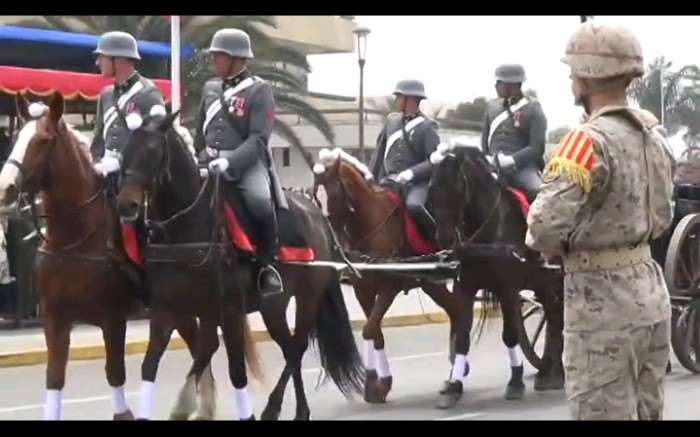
(361, 33)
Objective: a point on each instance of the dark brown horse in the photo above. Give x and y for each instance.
(190, 224)
(475, 210)
(80, 272)
(373, 221)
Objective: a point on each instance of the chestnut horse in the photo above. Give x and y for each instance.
(373, 221)
(82, 273)
(188, 220)
(474, 208)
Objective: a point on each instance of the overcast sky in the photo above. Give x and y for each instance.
(456, 56)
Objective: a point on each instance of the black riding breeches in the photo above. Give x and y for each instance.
(416, 199)
(526, 179)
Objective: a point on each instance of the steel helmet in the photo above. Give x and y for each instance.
(510, 73)
(411, 88)
(598, 51)
(233, 42)
(118, 45)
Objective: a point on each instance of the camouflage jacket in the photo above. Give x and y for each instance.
(608, 186)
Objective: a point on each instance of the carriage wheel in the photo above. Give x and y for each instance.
(532, 325)
(685, 336)
(682, 274)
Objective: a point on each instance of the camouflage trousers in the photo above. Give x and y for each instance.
(617, 375)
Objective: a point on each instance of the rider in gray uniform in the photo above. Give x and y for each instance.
(515, 130)
(233, 131)
(128, 101)
(403, 151)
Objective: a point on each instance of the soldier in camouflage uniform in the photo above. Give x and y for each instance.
(606, 195)
(123, 106)
(233, 131)
(403, 151)
(514, 131)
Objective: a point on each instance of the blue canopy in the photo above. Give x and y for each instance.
(146, 48)
(51, 49)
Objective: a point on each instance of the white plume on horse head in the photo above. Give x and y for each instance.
(319, 169)
(345, 156)
(37, 109)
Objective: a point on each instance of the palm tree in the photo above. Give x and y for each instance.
(681, 95)
(196, 30)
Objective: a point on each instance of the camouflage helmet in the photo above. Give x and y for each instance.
(118, 45)
(510, 73)
(233, 42)
(411, 88)
(597, 51)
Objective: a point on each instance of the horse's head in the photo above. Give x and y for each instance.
(456, 182)
(145, 158)
(40, 152)
(346, 182)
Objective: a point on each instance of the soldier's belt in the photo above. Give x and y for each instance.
(606, 259)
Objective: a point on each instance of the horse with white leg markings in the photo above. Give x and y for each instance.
(373, 222)
(484, 221)
(83, 272)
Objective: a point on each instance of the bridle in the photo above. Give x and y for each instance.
(162, 176)
(31, 200)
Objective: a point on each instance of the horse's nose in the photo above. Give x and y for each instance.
(128, 210)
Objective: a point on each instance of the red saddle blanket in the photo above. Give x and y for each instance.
(522, 200)
(419, 244)
(238, 237)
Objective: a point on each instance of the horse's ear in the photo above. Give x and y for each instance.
(168, 121)
(56, 107)
(22, 107)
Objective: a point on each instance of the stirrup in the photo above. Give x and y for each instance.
(276, 273)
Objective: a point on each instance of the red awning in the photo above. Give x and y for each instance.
(71, 85)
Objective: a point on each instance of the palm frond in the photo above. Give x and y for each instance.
(295, 105)
(283, 77)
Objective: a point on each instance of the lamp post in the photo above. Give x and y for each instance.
(361, 32)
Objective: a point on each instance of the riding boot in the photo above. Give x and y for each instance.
(269, 279)
(425, 223)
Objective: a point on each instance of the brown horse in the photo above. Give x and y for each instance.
(189, 215)
(374, 222)
(80, 272)
(474, 209)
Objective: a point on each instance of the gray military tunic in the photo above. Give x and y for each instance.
(520, 134)
(239, 129)
(136, 95)
(405, 143)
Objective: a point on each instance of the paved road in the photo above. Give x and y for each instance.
(419, 365)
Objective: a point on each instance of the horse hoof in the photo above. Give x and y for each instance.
(178, 416)
(269, 414)
(126, 415)
(250, 419)
(515, 391)
(549, 382)
(303, 415)
(201, 417)
(371, 379)
(385, 384)
(450, 394)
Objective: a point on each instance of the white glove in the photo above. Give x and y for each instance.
(489, 158)
(109, 164)
(505, 162)
(203, 173)
(220, 165)
(404, 176)
(436, 157)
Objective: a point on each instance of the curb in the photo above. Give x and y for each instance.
(97, 351)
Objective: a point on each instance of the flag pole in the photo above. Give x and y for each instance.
(175, 52)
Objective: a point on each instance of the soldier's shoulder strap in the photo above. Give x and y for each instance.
(573, 158)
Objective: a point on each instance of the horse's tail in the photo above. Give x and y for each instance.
(250, 352)
(340, 357)
(490, 307)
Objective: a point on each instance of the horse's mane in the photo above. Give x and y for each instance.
(83, 142)
(350, 168)
(477, 160)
